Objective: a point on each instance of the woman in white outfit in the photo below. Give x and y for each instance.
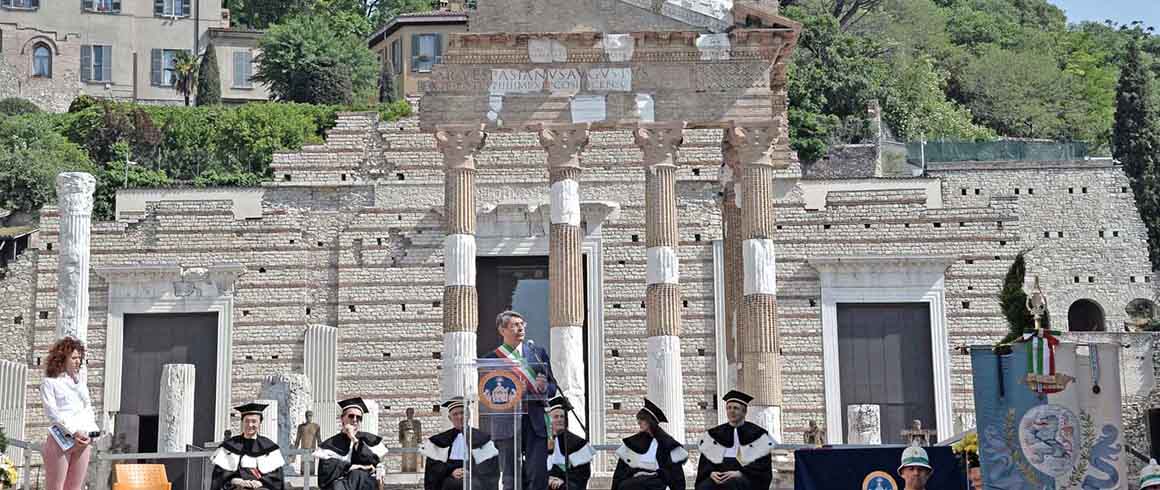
(68, 408)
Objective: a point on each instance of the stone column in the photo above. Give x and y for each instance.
(74, 195)
(659, 146)
(563, 145)
(175, 423)
(749, 152)
(320, 362)
(460, 299)
(292, 392)
(271, 420)
(733, 269)
(370, 422)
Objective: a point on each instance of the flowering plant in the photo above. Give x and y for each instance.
(8, 475)
(968, 448)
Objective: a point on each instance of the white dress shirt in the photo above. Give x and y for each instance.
(67, 405)
(731, 452)
(459, 448)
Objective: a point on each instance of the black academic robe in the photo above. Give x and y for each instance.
(633, 473)
(576, 468)
(248, 459)
(437, 473)
(338, 472)
(754, 458)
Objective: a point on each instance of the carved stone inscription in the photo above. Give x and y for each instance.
(722, 76)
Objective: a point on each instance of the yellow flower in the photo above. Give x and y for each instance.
(968, 444)
(8, 475)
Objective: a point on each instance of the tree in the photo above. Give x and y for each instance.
(1136, 143)
(305, 45)
(1013, 302)
(324, 81)
(209, 83)
(31, 154)
(184, 74)
(387, 85)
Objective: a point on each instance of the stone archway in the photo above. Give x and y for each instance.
(1085, 315)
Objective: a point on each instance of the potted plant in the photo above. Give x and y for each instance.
(8, 475)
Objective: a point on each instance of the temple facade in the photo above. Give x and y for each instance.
(620, 172)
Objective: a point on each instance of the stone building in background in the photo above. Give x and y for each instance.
(338, 268)
(51, 51)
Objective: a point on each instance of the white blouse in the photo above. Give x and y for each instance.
(66, 404)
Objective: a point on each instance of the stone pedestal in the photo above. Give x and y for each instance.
(175, 422)
(270, 420)
(864, 424)
(74, 193)
(292, 392)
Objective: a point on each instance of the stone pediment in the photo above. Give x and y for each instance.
(601, 15)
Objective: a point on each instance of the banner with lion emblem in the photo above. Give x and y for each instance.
(1057, 430)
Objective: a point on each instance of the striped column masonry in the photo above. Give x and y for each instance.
(459, 144)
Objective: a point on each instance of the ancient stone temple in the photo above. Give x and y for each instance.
(620, 172)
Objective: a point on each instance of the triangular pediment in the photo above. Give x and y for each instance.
(601, 15)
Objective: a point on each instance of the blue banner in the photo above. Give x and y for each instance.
(874, 468)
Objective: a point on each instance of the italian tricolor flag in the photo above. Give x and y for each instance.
(520, 364)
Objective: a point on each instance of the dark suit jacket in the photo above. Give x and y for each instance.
(534, 403)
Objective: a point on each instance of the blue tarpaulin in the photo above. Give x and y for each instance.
(873, 468)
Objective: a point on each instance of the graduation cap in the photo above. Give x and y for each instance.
(737, 397)
(453, 403)
(652, 411)
(251, 409)
(350, 403)
(560, 402)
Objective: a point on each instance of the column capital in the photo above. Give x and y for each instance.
(458, 144)
(563, 143)
(74, 193)
(659, 142)
(752, 143)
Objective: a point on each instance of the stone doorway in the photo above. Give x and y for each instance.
(885, 354)
(1085, 315)
(519, 283)
(151, 341)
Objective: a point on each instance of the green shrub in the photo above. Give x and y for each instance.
(15, 106)
(31, 154)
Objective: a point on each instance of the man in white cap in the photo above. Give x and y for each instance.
(736, 455)
(1150, 476)
(915, 468)
(348, 459)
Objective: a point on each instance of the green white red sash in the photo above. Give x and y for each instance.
(522, 368)
(1041, 360)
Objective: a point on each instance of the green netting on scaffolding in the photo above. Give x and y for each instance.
(990, 151)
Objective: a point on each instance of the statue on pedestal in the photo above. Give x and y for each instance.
(410, 433)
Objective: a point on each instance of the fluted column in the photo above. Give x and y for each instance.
(271, 419)
(563, 145)
(460, 298)
(659, 145)
(320, 363)
(175, 419)
(74, 194)
(292, 392)
(733, 267)
(749, 152)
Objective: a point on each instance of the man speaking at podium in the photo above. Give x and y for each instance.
(531, 365)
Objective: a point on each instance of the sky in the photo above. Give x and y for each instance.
(1122, 11)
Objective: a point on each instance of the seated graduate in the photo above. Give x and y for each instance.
(248, 460)
(650, 459)
(447, 450)
(570, 456)
(736, 455)
(347, 460)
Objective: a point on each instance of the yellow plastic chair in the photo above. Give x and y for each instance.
(141, 477)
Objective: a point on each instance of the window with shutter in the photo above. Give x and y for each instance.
(428, 49)
(243, 62)
(185, 10)
(5, 3)
(155, 67)
(438, 58)
(86, 63)
(107, 66)
(414, 52)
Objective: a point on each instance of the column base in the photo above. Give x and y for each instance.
(568, 366)
(665, 383)
(459, 376)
